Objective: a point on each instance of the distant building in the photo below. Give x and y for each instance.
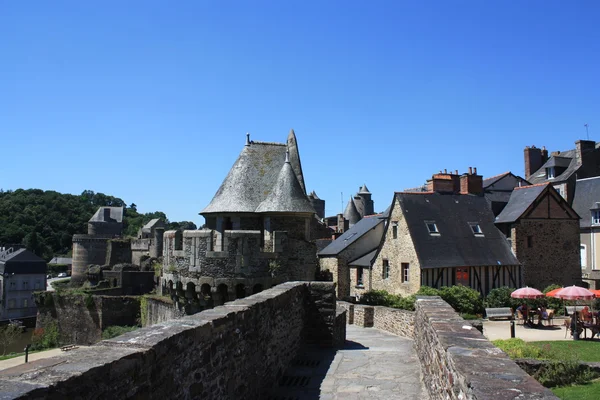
(21, 274)
(359, 206)
(497, 189)
(586, 203)
(149, 242)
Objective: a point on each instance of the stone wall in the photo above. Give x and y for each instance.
(236, 351)
(552, 255)
(393, 320)
(118, 252)
(82, 318)
(158, 310)
(460, 363)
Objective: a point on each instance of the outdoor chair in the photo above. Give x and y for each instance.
(520, 317)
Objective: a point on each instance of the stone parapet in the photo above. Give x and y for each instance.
(393, 320)
(235, 351)
(458, 362)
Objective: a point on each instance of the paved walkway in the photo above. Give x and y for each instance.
(13, 362)
(501, 330)
(373, 365)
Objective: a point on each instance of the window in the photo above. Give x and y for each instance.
(25, 303)
(583, 251)
(13, 284)
(11, 303)
(431, 227)
(359, 276)
(595, 217)
(550, 172)
(395, 229)
(38, 285)
(405, 274)
(559, 190)
(386, 268)
(25, 285)
(530, 241)
(476, 229)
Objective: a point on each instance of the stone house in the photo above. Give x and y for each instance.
(442, 236)
(351, 253)
(544, 234)
(562, 169)
(586, 203)
(21, 274)
(261, 229)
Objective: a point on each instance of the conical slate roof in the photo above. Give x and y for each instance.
(287, 194)
(364, 190)
(351, 212)
(253, 175)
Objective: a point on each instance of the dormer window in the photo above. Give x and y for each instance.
(595, 217)
(550, 173)
(432, 228)
(476, 229)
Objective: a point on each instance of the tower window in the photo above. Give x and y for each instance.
(386, 268)
(395, 229)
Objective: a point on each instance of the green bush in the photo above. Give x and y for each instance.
(518, 348)
(500, 297)
(383, 298)
(428, 291)
(564, 372)
(116, 330)
(463, 299)
(46, 337)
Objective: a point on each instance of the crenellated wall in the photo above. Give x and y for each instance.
(236, 351)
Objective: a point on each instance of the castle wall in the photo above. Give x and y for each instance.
(87, 250)
(237, 351)
(118, 251)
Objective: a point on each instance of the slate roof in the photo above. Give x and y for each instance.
(253, 177)
(364, 261)
(520, 200)
(456, 245)
(286, 195)
(564, 159)
(351, 212)
(22, 261)
(151, 224)
(116, 215)
(493, 179)
(364, 190)
(587, 194)
(355, 232)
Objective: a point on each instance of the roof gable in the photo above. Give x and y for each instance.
(535, 201)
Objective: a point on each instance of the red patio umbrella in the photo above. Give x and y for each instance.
(526, 293)
(553, 292)
(596, 293)
(574, 293)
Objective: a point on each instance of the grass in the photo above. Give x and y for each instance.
(582, 350)
(588, 391)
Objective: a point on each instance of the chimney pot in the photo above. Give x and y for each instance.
(456, 172)
(445, 171)
(475, 170)
(470, 170)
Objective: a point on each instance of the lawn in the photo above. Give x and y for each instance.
(590, 391)
(580, 350)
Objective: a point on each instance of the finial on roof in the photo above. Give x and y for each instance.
(287, 156)
(247, 138)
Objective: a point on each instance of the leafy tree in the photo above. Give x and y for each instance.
(9, 334)
(500, 297)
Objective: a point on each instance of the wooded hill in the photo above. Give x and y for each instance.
(45, 221)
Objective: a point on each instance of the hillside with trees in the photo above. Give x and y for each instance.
(45, 221)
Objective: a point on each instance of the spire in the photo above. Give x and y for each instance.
(292, 145)
(247, 138)
(351, 212)
(364, 190)
(286, 195)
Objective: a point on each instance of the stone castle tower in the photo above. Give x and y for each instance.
(359, 205)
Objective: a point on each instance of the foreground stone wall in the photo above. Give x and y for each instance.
(393, 320)
(460, 363)
(235, 351)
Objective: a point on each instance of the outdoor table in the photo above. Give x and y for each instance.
(594, 328)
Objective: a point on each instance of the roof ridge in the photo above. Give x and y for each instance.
(269, 143)
(497, 176)
(528, 186)
(405, 192)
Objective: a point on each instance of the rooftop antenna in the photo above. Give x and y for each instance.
(586, 131)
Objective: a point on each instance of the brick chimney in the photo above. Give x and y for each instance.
(583, 147)
(471, 183)
(534, 159)
(444, 182)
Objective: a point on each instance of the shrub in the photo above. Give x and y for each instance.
(500, 297)
(564, 372)
(46, 337)
(428, 291)
(463, 299)
(518, 348)
(116, 330)
(377, 298)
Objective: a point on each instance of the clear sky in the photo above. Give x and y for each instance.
(150, 101)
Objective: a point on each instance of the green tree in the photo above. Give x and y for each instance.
(9, 334)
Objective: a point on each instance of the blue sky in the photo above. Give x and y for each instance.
(150, 101)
